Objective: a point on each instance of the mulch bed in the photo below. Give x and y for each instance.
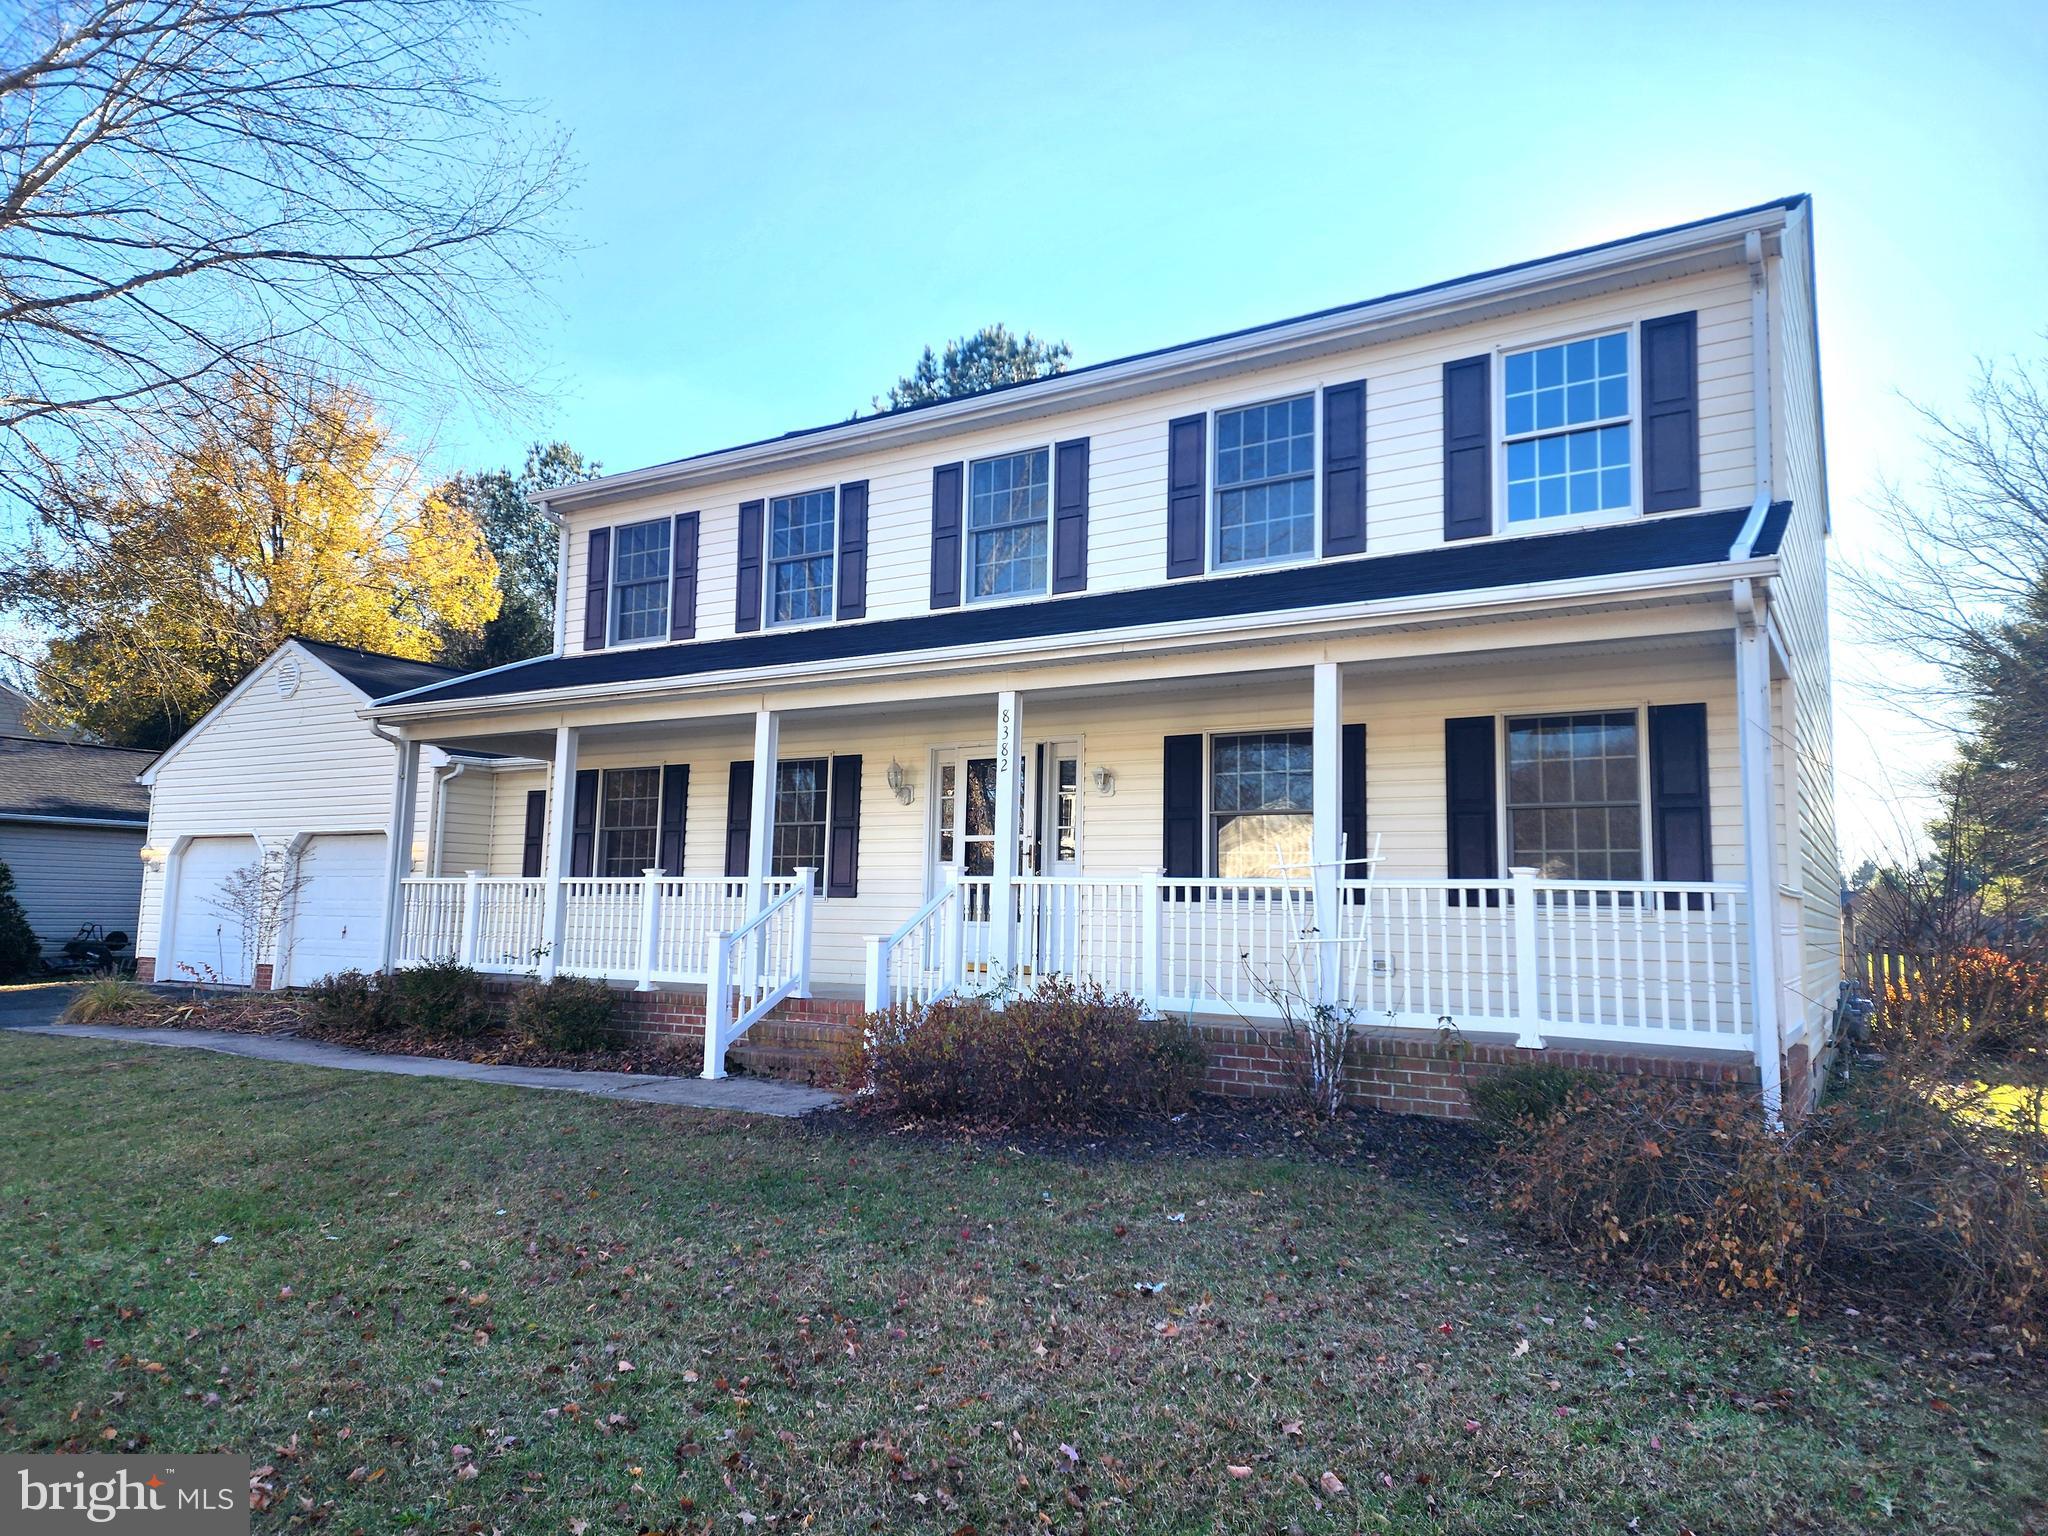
(283, 1013)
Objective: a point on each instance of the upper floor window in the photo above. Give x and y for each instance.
(1262, 803)
(1565, 421)
(800, 544)
(640, 572)
(630, 820)
(1009, 502)
(1575, 796)
(1266, 482)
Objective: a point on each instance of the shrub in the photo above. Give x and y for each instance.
(1516, 1102)
(1062, 1055)
(569, 1013)
(440, 997)
(106, 997)
(351, 1000)
(1987, 1001)
(20, 954)
(1891, 1190)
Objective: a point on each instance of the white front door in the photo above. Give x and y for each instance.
(964, 835)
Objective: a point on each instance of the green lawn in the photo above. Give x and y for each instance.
(644, 1318)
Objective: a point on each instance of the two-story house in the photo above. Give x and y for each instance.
(1460, 655)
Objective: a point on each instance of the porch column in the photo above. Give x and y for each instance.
(398, 846)
(555, 855)
(1753, 727)
(1002, 896)
(1326, 839)
(761, 815)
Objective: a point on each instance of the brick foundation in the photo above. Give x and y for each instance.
(262, 981)
(145, 967)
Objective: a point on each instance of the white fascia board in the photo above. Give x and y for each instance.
(1038, 650)
(1477, 299)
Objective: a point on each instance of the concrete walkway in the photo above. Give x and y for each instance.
(750, 1095)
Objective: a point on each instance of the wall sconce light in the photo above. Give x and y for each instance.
(153, 855)
(1103, 780)
(900, 784)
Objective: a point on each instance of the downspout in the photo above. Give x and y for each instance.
(1760, 359)
(1753, 739)
(445, 775)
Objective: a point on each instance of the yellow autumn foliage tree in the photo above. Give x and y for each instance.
(161, 579)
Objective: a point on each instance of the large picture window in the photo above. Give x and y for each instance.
(1261, 804)
(1266, 482)
(640, 573)
(800, 534)
(800, 799)
(1574, 796)
(1565, 415)
(630, 821)
(1009, 501)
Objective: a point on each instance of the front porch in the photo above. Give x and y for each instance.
(965, 841)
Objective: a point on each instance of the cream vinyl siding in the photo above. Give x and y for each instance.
(1124, 728)
(66, 877)
(464, 810)
(1127, 454)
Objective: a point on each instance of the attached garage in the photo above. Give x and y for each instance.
(207, 942)
(337, 921)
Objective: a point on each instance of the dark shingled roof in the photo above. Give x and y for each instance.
(60, 778)
(1643, 545)
(375, 673)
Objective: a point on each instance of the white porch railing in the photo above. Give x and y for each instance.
(1645, 962)
(754, 967)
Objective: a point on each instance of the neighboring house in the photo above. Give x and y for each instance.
(71, 824)
(1459, 656)
(286, 769)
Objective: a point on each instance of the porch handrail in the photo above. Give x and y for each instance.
(755, 966)
(937, 929)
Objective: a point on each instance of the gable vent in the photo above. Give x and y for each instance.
(285, 676)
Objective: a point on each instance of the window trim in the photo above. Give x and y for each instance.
(599, 828)
(1313, 389)
(1630, 332)
(967, 530)
(668, 580)
(1640, 710)
(769, 562)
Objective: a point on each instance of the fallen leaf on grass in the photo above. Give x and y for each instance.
(1236, 1471)
(1331, 1484)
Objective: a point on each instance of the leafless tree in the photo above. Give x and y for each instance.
(190, 187)
(259, 899)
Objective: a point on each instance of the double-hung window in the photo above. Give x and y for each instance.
(640, 576)
(1261, 803)
(1566, 429)
(629, 825)
(1009, 503)
(1575, 796)
(1266, 482)
(800, 546)
(800, 800)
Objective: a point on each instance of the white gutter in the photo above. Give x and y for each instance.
(1752, 525)
(1713, 576)
(1423, 309)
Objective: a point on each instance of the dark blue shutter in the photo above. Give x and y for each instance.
(739, 816)
(1680, 829)
(597, 575)
(1186, 504)
(682, 594)
(1070, 516)
(583, 828)
(842, 832)
(946, 536)
(1181, 844)
(1352, 800)
(1471, 833)
(535, 838)
(1468, 448)
(746, 613)
(853, 551)
(1344, 469)
(1671, 413)
(675, 816)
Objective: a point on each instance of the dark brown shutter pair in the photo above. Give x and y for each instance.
(682, 600)
(1069, 524)
(1182, 842)
(842, 823)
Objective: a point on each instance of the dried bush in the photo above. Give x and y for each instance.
(105, 997)
(351, 1000)
(1062, 1055)
(1517, 1102)
(1898, 1188)
(568, 1013)
(1984, 1000)
(440, 997)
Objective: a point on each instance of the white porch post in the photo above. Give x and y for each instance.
(555, 861)
(398, 846)
(1528, 998)
(761, 815)
(1002, 896)
(650, 926)
(1753, 727)
(472, 914)
(1326, 838)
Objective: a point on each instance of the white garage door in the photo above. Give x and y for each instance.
(340, 906)
(206, 941)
